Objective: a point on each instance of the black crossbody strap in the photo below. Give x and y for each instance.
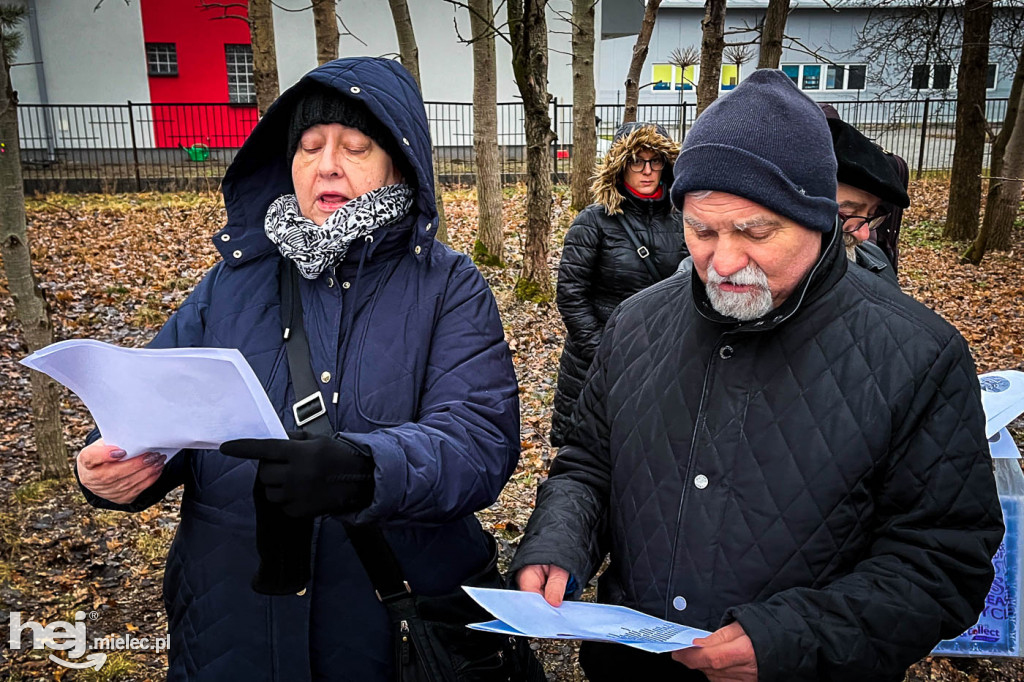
(641, 250)
(309, 409)
(371, 546)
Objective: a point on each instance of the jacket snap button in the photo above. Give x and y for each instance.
(326, 376)
(725, 352)
(405, 141)
(225, 237)
(237, 254)
(679, 604)
(345, 285)
(354, 90)
(701, 481)
(330, 282)
(417, 250)
(301, 592)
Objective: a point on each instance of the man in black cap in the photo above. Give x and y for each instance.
(776, 447)
(867, 183)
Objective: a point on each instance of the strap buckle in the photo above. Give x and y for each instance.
(309, 408)
(397, 595)
(644, 253)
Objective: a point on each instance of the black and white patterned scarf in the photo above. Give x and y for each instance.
(314, 248)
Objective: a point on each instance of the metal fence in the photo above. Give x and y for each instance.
(135, 147)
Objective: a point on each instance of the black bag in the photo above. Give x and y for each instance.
(431, 640)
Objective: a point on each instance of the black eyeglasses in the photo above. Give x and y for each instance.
(852, 223)
(637, 165)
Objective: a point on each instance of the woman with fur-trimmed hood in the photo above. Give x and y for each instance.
(624, 242)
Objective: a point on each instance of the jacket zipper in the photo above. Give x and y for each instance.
(405, 649)
(697, 425)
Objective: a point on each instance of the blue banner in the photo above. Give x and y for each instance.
(996, 632)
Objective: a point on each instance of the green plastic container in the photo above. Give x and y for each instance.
(198, 152)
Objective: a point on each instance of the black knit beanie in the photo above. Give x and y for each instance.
(326, 105)
(863, 164)
(767, 142)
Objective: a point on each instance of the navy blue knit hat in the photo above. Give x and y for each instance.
(767, 142)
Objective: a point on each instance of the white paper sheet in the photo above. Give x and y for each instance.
(1002, 396)
(162, 400)
(1001, 446)
(528, 615)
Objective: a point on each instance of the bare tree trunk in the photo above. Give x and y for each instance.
(772, 30)
(636, 65)
(584, 125)
(264, 53)
(489, 248)
(1005, 171)
(528, 31)
(29, 304)
(410, 56)
(711, 45)
(407, 49)
(965, 178)
(325, 24)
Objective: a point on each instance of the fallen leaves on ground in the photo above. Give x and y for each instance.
(115, 266)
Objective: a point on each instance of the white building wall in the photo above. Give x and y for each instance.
(89, 57)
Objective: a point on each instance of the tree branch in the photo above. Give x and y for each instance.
(288, 9)
(347, 32)
(226, 7)
(488, 21)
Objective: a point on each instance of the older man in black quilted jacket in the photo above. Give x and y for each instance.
(775, 447)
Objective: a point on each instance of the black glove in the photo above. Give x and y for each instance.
(310, 475)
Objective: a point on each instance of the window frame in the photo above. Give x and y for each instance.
(995, 78)
(930, 80)
(823, 74)
(678, 81)
(235, 86)
(153, 65)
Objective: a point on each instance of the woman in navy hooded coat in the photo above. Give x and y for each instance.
(409, 354)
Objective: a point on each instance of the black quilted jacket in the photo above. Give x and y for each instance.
(820, 475)
(599, 269)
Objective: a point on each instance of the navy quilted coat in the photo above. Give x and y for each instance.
(426, 383)
(820, 475)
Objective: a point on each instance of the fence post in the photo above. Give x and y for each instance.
(554, 151)
(135, 148)
(924, 136)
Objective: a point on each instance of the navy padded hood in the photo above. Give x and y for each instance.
(261, 171)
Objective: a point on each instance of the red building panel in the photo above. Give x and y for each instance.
(196, 100)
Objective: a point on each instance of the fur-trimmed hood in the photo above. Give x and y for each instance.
(607, 184)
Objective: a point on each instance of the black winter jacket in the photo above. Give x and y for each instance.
(820, 475)
(599, 269)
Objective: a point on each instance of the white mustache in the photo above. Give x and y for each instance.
(749, 275)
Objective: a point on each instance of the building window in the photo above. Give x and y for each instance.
(730, 76)
(991, 77)
(662, 76)
(241, 85)
(834, 77)
(687, 78)
(162, 59)
(671, 77)
(931, 76)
